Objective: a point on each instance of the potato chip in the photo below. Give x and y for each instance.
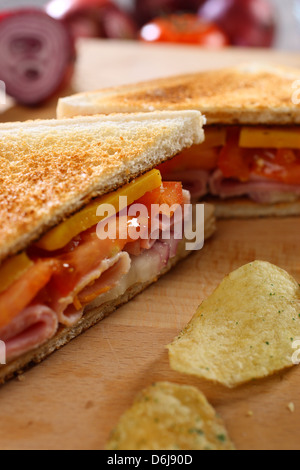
(247, 329)
(167, 416)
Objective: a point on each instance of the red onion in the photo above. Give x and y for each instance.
(118, 25)
(248, 23)
(93, 18)
(59, 9)
(36, 55)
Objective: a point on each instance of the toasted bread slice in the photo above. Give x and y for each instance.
(243, 208)
(247, 94)
(51, 169)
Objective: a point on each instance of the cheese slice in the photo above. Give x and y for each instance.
(270, 137)
(12, 269)
(62, 234)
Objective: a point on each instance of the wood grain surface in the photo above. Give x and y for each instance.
(73, 399)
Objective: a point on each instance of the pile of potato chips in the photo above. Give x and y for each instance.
(247, 329)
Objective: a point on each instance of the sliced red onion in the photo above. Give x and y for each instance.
(36, 55)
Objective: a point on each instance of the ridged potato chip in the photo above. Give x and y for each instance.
(167, 416)
(247, 329)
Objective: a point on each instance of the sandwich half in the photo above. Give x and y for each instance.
(249, 164)
(58, 276)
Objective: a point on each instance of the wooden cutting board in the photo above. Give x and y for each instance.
(73, 399)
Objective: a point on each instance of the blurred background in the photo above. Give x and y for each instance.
(38, 47)
(287, 14)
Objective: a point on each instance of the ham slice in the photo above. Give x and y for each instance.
(29, 330)
(167, 228)
(69, 309)
(144, 268)
(259, 189)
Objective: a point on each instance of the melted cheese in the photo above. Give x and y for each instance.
(61, 235)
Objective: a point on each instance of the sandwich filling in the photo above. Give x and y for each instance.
(72, 269)
(261, 163)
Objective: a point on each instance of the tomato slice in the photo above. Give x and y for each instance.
(281, 165)
(88, 250)
(170, 193)
(196, 157)
(234, 162)
(67, 267)
(83, 259)
(19, 295)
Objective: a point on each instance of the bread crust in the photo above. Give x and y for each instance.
(243, 208)
(252, 94)
(51, 169)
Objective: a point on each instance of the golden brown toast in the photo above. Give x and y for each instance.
(51, 169)
(247, 94)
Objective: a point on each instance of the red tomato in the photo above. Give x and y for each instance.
(280, 165)
(184, 28)
(234, 162)
(19, 295)
(83, 259)
(197, 157)
(276, 164)
(85, 253)
(170, 193)
(146, 10)
(62, 272)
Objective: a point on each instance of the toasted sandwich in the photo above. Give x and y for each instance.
(250, 162)
(58, 277)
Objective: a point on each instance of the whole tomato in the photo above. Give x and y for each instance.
(146, 10)
(185, 29)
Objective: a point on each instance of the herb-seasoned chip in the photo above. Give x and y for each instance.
(167, 416)
(245, 330)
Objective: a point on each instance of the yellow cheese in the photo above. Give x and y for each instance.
(61, 235)
(12, 269)
(270, 137)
